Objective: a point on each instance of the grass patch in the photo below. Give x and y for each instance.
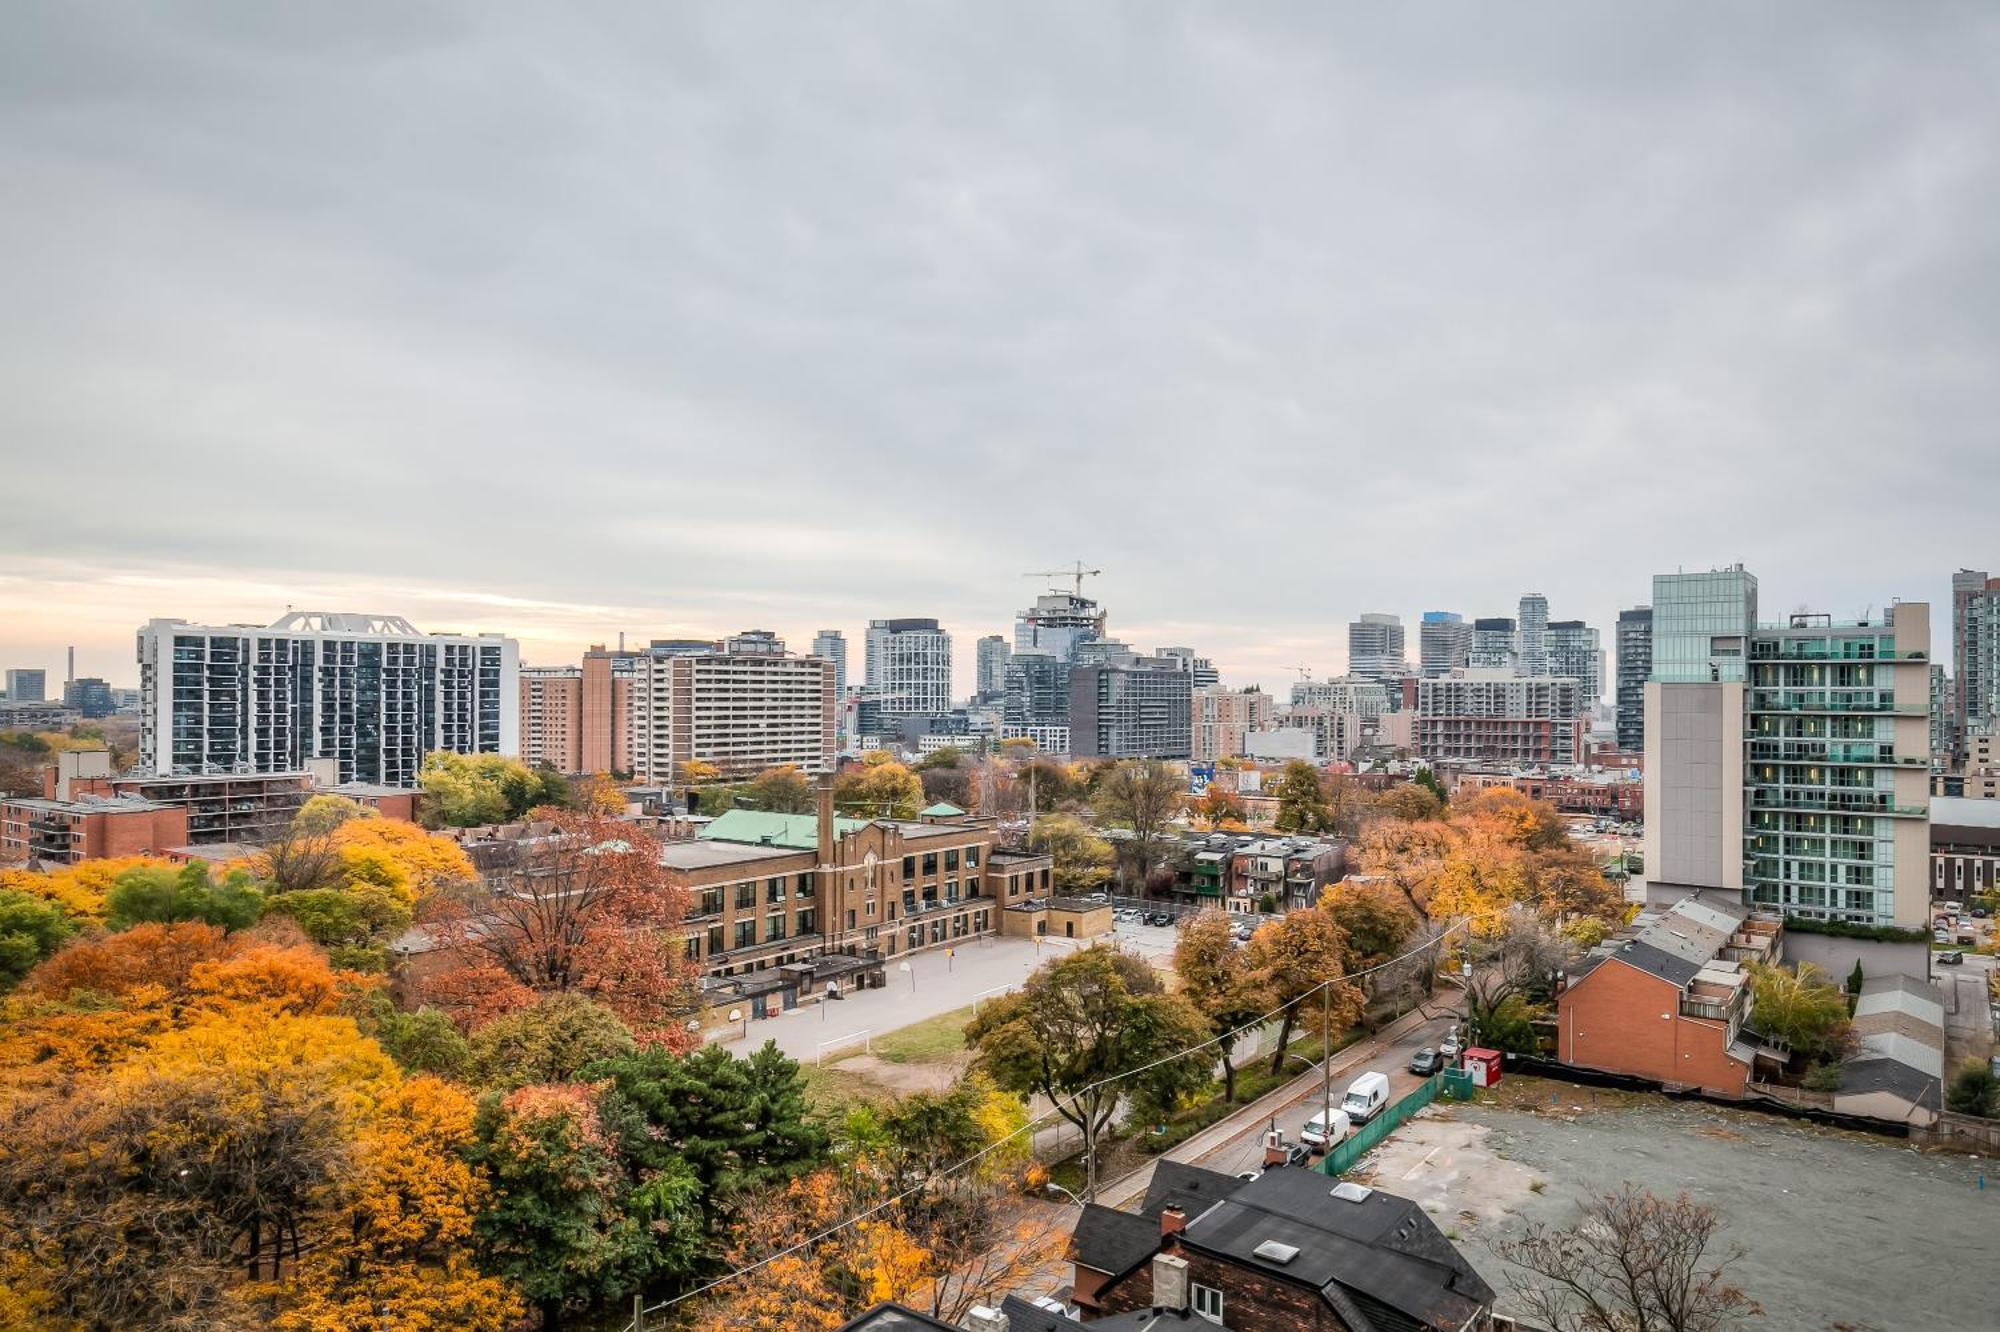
(1252, 1081)
(833, 1091)
(935, 1040)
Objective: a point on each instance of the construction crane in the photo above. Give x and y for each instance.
(1079, 573)
(1305, 672)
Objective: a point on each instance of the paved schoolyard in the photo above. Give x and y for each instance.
(1842, 1230)
(935, 984)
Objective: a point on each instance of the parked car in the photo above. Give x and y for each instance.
(1451, 1048)
(1324, 1129)
(1939, 936)
(1426, 1062)
(1366, 1096)
(1951, 959)
(1979, 912)
(1241, 933)
(1159, 918)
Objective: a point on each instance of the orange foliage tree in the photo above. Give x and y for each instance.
(585, 911)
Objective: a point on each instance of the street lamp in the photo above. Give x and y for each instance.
(904, 966)
(1065, 1192)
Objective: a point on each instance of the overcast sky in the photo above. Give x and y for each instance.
(677, 319)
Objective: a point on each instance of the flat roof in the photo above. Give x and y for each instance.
(711, 854)
(1965, 812)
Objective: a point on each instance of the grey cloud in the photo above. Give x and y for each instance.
(1279, 312)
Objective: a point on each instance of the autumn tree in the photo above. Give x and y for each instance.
(1145, 796)
(782, 790)
(1051, 786)
(548, 1042)
(1514, 966)
(470, 790)
(1086, 1030)
(1218, 808)
(1082, 858)
(1217, 978)
(1376, 919)
(1412, 802)
(1303, 806)
(586, 910)
(1800, 1007)
(879, 788)
(1632, 1263)
(1302, 956)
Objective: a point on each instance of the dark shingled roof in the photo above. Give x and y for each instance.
(1187, 1187)
(1111, 1241)
(1676, 971)
(1384, 1256)
(1879, 1073)
(1025, 1317)
(894, 1318)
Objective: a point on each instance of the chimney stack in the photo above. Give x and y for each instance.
(982, 1319)
(1172, 1220)
(1170, 1284)
(826, 828)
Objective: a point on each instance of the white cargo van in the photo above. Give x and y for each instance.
(1366, 1096)
(1324, 1130)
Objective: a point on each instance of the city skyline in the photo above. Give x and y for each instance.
(288, 337)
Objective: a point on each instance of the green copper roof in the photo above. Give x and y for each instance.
(942, 810)
(756, 827)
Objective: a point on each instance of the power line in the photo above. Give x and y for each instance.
(1032, 1125)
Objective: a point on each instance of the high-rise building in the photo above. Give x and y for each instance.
(1037, 694)
(1573, 650)
(1056, 623)
(991, 675)
(831, 645)
(1635, 667)
(1975, 655)
(1788, 762)
(1365, 698)
(743, 711)
(1444, 643)
(1223, 720)
(1494, 645)
(552, 716)
(908, 669)
(1375, 647)
(27, 686)
(1944, 742)
(1474, 716)
(1201, 668)
(90, 696)
(1532, 653)
(1130, 709)
(366, 691)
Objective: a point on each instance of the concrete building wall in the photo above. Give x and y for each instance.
(1694, 784)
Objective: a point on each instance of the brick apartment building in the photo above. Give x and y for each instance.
(49, 833)
(1619, 798)
(1478, 716)
(1670, 1000)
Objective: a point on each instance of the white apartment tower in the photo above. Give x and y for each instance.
(1532, 648)
(368, 692)
(1375, 647)
(991, 679)
(909, 668)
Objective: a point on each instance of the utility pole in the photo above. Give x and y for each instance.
(1326, 1058)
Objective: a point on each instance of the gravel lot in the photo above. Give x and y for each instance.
(1844, 1232)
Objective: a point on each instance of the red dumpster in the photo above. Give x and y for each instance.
(1484, 1065)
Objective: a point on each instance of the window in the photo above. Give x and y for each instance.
(909, 867)
(774, 926)
(746, 933)
(972, 857)
(808, 921)
(951, 861)
(930, 863)
(850, 918)
(714, 940)
(1208, 1303)
(711, 902)
(692, 947)
(805, 888)
(774, 890)
(746, 896)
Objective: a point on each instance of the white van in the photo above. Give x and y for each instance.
(1325, 1129)
(1366, 1096)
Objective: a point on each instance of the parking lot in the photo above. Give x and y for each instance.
(1840, 1230)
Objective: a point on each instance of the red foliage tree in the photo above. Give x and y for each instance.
(586, 910)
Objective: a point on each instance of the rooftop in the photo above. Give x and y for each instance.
(1964, 812)
(699, 855)
(800, 832)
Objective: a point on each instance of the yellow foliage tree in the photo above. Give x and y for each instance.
(79, 889)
